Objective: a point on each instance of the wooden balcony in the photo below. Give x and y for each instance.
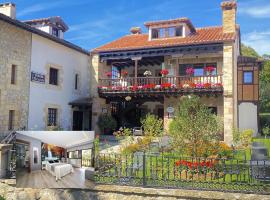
(160, 86)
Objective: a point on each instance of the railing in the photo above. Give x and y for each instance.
(173, 171)
(174, 82)
(86, 163)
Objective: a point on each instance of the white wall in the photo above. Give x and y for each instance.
(45, 51)
(248, 117)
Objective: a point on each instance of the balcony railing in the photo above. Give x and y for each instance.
(161, 84)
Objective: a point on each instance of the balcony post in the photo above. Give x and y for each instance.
(136, 59)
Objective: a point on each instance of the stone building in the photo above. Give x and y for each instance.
(44, 79)
(149, 72)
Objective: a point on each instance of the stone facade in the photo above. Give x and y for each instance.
(15, 49)
(229, 16)
(229, 94)
(98, 70)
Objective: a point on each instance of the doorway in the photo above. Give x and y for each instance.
(77, 120)
(23, 162)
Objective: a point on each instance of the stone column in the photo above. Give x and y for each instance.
(98, 70)
(228, 64)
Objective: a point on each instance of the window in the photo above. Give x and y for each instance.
(162, 33)
(247, 77)
(76, 81)
(115, 73)
(53, 79)
(55, 32)
(199, 69)
(179, 31)
(52, 117)
(11, 119)
(13, 74)
(154, 33)
(171, 32)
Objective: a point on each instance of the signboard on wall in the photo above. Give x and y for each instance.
(37, 77)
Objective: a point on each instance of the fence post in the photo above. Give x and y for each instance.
(144, 169)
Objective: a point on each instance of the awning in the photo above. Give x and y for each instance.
(87, 101)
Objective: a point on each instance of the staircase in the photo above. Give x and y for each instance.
(10, 138)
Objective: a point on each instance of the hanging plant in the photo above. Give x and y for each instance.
(147, 73)
(209, 70)
(164, 72)
(124, 73)
(108, 74)
(189, 71)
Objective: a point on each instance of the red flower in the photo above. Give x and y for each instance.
(109, 74)
(164, 72)
(189, 71)
(178, 163)
(134, 88)
(209, 68)
(124, 73)
(166, 85)
(207, 85)
(149, 86)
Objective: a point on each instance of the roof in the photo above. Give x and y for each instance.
(27, 27)
(207, 35)
(172, 21)
(50, 21)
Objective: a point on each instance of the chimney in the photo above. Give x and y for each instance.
(136, 30)
(229, 16)
(8, 9)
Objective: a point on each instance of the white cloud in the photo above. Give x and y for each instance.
(260, 41)
(256, 9)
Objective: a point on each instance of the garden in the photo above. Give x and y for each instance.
(189, 155)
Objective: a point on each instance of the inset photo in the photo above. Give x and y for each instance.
(7, 155)
(54, 159)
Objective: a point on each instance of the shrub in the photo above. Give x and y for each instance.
(106, 122)
(152, 126)
(266, 131)
(195, 131)
(246, 138)
(2, 198)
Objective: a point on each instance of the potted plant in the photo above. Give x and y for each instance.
(106, 123)
(108, 74)
(164, 72)
(124, 73)
(147, 73)
(209, 70)
(190, 71)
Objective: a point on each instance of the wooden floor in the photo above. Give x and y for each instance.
(43, 179)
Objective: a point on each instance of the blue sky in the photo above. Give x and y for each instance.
(96, 22)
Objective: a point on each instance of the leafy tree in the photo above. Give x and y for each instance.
(195, 131)
(152, 125)
(265, 87)
(248, 51)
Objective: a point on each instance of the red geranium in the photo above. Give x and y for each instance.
(209, 68)
(108, 74)
(164, 72)
(149, 86)
(207, 85)
(166, 85)
(189, 71)
(124, 73)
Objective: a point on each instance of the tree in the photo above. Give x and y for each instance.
(248, 51)
(195, 131)
(265, 87)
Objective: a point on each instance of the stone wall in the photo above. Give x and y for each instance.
(98, 70)
(113, 192)
(15, 49)
(208, 101)
(229, 93)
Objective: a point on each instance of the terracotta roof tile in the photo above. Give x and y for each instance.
(140, 41)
